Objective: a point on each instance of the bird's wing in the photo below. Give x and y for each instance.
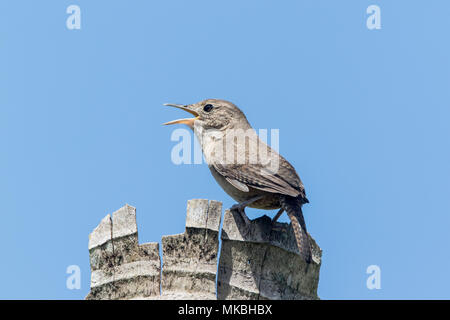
(259, 177)
(238, 185)
(268, 171)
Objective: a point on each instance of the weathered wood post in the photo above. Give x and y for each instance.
(190, 258)
(120, 267)
(256, 260)
(261, 261)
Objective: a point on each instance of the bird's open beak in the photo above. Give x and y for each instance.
(188, 121)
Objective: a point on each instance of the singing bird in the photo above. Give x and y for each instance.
(246, 168)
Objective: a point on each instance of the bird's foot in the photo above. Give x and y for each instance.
(239, 208)
(277, 227)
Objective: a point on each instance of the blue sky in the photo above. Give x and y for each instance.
(363, 116)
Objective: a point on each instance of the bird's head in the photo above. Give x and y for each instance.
(212, 114)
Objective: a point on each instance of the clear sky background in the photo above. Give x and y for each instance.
(363, 116)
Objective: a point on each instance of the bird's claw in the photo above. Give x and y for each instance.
(240, 209)
(236, 207)
(278, 228)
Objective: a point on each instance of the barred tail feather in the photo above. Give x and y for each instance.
(293, 208)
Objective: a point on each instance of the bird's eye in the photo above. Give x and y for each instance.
(208, 108)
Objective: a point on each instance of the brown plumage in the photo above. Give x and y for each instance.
(246, 168)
